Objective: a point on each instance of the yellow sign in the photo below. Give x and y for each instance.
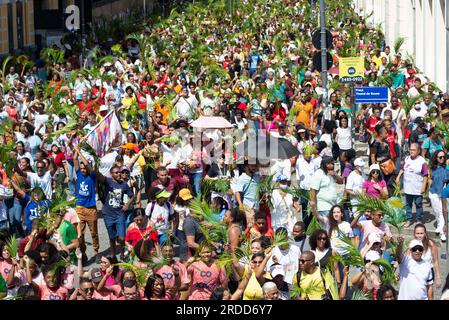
(351, 69)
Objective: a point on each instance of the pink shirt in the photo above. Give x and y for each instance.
(368, 186)
(205, 279)
(5, 267)
(368, 227)
(47, 294)
(166, 272)
(104, 295)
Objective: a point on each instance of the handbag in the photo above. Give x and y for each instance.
(388, 167)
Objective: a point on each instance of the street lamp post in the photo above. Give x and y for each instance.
(327, 113)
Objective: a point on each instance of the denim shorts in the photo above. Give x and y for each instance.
(116, 226)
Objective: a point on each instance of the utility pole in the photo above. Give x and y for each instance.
(327, 113)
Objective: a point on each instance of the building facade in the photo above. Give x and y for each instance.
(425, 26)
(16, 26)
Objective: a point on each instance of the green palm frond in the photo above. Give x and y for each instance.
(59, 201)
(359, 295)
(388, 272)
(352, 256)
(60, 264)
(393, 215)
(70, 126)
(117, 49)
(408, 102)
(88, 148)
(314, 225)
(398, 44)
(5, 63)
(220, 185)
(280, 240)
(142, 274)
(265, 189)
(297, 292)
(12, 246)
(202, 209)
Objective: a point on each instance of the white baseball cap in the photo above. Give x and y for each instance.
(359, 162)
(277, 269)
(374, 166)
(415, 243)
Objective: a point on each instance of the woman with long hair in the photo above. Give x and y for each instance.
(235, 219)
(374, 186)
(320, 245)
(430, 253)
(438, 175)
(155, 288)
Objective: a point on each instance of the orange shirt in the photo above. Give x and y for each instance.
(303, 112)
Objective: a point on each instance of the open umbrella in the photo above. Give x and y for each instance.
(267, 148)
(211, 123)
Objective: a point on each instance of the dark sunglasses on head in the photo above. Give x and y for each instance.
(418, 248)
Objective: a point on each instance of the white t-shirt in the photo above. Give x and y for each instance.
(415, 276)
(304, 173)
(343, 138)
(354, 183)
(414, 171)
(160, 216)
(328, 150)
(282, 212)
(289, 259)
(44, 182)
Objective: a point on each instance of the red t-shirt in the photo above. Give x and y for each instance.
(37, 242)
(371, 123)
(135, 234)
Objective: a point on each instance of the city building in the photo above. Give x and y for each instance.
(425, 26)
(16, 26)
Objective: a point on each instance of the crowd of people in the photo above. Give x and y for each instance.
(316, 226)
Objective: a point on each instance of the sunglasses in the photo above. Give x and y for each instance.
(322, 238)
(91, 289)
(418, 248)
(125, 172)
(375, 172)
(40, 167)
(441, 157)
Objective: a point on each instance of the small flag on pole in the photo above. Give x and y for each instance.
(107, 133)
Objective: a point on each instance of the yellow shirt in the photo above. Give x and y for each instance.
(253, 290)
(303, 112)
(313, 287)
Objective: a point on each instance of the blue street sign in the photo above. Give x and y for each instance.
(371, 94)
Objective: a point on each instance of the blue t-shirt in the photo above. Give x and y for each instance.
(32, 210)
(115, 192)
(85, 189)
(439, 177)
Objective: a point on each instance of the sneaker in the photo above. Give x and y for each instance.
(443, 237)
(407, 224)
